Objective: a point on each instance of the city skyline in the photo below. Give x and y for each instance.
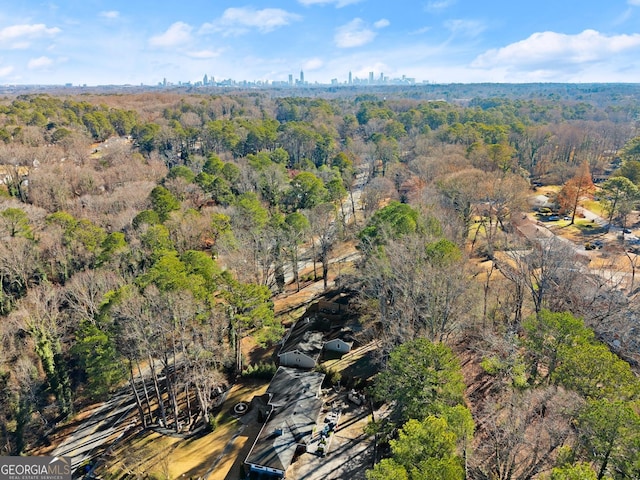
(436, 41)
(372, 79)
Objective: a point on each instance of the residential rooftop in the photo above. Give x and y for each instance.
(295, 406)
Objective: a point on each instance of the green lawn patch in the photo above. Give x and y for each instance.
(587, 227)
(595, 206)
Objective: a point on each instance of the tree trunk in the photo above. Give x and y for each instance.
(632, 263)
(156, 385)
(325, 268)
(605, 463)
(137, 397)
(204, 404)
(294, 267)
(239, 352)
(613, 209)
(146, 391)
(170, 386)
(353, 205)
(575, 205)
(486, 295)
(188, 401)
(313, 252)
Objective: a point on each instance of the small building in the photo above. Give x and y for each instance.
(340, 339)
(538, 202)
(338, 345)
(295, 405)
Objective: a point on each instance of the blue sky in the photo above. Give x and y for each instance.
(99, 42)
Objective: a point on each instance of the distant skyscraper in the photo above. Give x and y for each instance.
(370, 77)
(381, 77)
(205, 80)
(290, 79)
(350, 79)
(301, 77)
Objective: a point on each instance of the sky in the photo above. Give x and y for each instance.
(100, 42)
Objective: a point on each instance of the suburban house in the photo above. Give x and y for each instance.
(294, 406)
(293, 402)
(541, 201)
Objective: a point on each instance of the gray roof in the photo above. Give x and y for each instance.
(294, 413)
(306, 336)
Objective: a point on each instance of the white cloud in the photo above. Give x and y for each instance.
(635, 3)
(177, 34)
(470, 28)
(111, 14)
(27, 31)
(313, 64)
(204, 54)
(339, 3)
(237, 21)
(383, 22)
(420, 31)
(545, 48)
(439, 5)
(40, 62)
(4, 71)
(353, 34)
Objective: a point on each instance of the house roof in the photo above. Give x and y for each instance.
(306, 337)
(540, 201)
(295, 406)
(344, 333)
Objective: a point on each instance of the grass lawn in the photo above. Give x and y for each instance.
(581, 230)
(595, 207)
(163, 456)
(587, 227)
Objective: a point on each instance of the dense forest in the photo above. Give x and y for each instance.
(148, 233)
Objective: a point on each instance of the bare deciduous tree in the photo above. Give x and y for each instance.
(324, 227)
(85, 292)
(375, 192)
(407, 294)
(520, 433)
